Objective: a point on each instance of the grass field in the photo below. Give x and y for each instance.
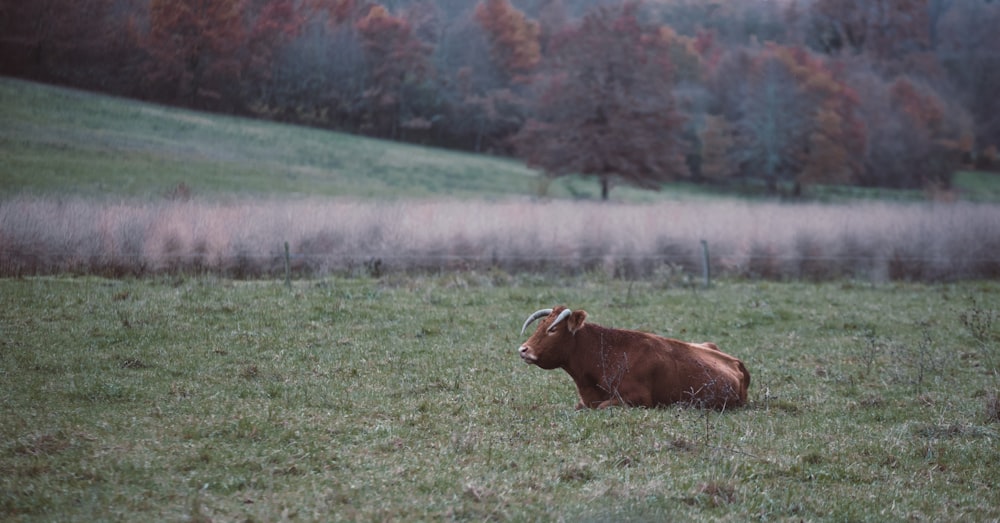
(59, 141)
(100, 185)
(64, 141)
(403, 399)
(400, 397)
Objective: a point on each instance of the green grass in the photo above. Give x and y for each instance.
(60, 140)
(63, 141)
(403, 399)
(978, 185)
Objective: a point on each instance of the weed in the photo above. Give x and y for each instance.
(981, 324)
(871, 348)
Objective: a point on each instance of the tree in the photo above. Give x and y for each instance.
(83, 43)
(606, 108)
(272, 24)
(514, 38)
(886, 30)
(795, 116)
(829, 160)
(397, 60)
(914, 138)
(774, 121)
(193, 48)
(471, 84)
(969, 49)
(718, 143)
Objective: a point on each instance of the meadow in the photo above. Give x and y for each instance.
(402, 399)
(99, 185)
(155, 365)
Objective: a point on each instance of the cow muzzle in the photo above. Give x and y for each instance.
(528, 358)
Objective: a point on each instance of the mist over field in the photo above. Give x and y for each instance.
(245, 238)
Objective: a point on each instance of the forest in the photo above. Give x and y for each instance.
(779, 95)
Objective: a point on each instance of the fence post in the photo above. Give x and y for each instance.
(706, 267)
(288, 268)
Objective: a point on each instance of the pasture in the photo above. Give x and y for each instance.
(58, 141)
(384, 383)
(402, 398)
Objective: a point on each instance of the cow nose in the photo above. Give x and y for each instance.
(523, 349)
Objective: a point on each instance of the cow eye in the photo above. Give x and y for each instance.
(552, 329)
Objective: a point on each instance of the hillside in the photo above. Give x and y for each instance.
(60, 141)
(55, 140)
(63, 141)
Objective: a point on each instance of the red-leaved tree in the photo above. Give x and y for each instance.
(270, 25)
(194, 50)
(396, 59)
(513, 37)
(606, 108)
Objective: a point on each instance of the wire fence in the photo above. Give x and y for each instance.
(686, 239)
(693, 263)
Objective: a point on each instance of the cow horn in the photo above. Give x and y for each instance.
(562, 316)
(537, 314)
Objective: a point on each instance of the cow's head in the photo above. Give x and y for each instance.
(549, 346)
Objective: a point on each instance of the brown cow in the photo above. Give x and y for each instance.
(622, 367)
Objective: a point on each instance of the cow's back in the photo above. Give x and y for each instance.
(700, 374)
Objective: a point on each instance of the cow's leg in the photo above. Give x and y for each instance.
(613, 402)
(590, 397)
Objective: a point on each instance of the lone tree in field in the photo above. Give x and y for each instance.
(606, 108)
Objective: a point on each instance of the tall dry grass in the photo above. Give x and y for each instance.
(878, 241)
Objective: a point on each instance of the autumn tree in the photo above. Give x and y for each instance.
(606, 108)
(830, 161)
(483, 105)
(271, 24)
(487, 114)
(513, 37)
(193, 48)
(397, 61)
(775, 119)
(717, 145)
(797, 119)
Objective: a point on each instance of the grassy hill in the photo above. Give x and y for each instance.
(61, 140)
(55, 140)
(64, 141)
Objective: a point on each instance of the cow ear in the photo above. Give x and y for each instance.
(576, 320)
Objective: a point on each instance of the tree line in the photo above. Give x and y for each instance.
(781, 94)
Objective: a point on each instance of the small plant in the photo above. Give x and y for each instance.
(980, 322)
(915, 363)
(871, 347)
